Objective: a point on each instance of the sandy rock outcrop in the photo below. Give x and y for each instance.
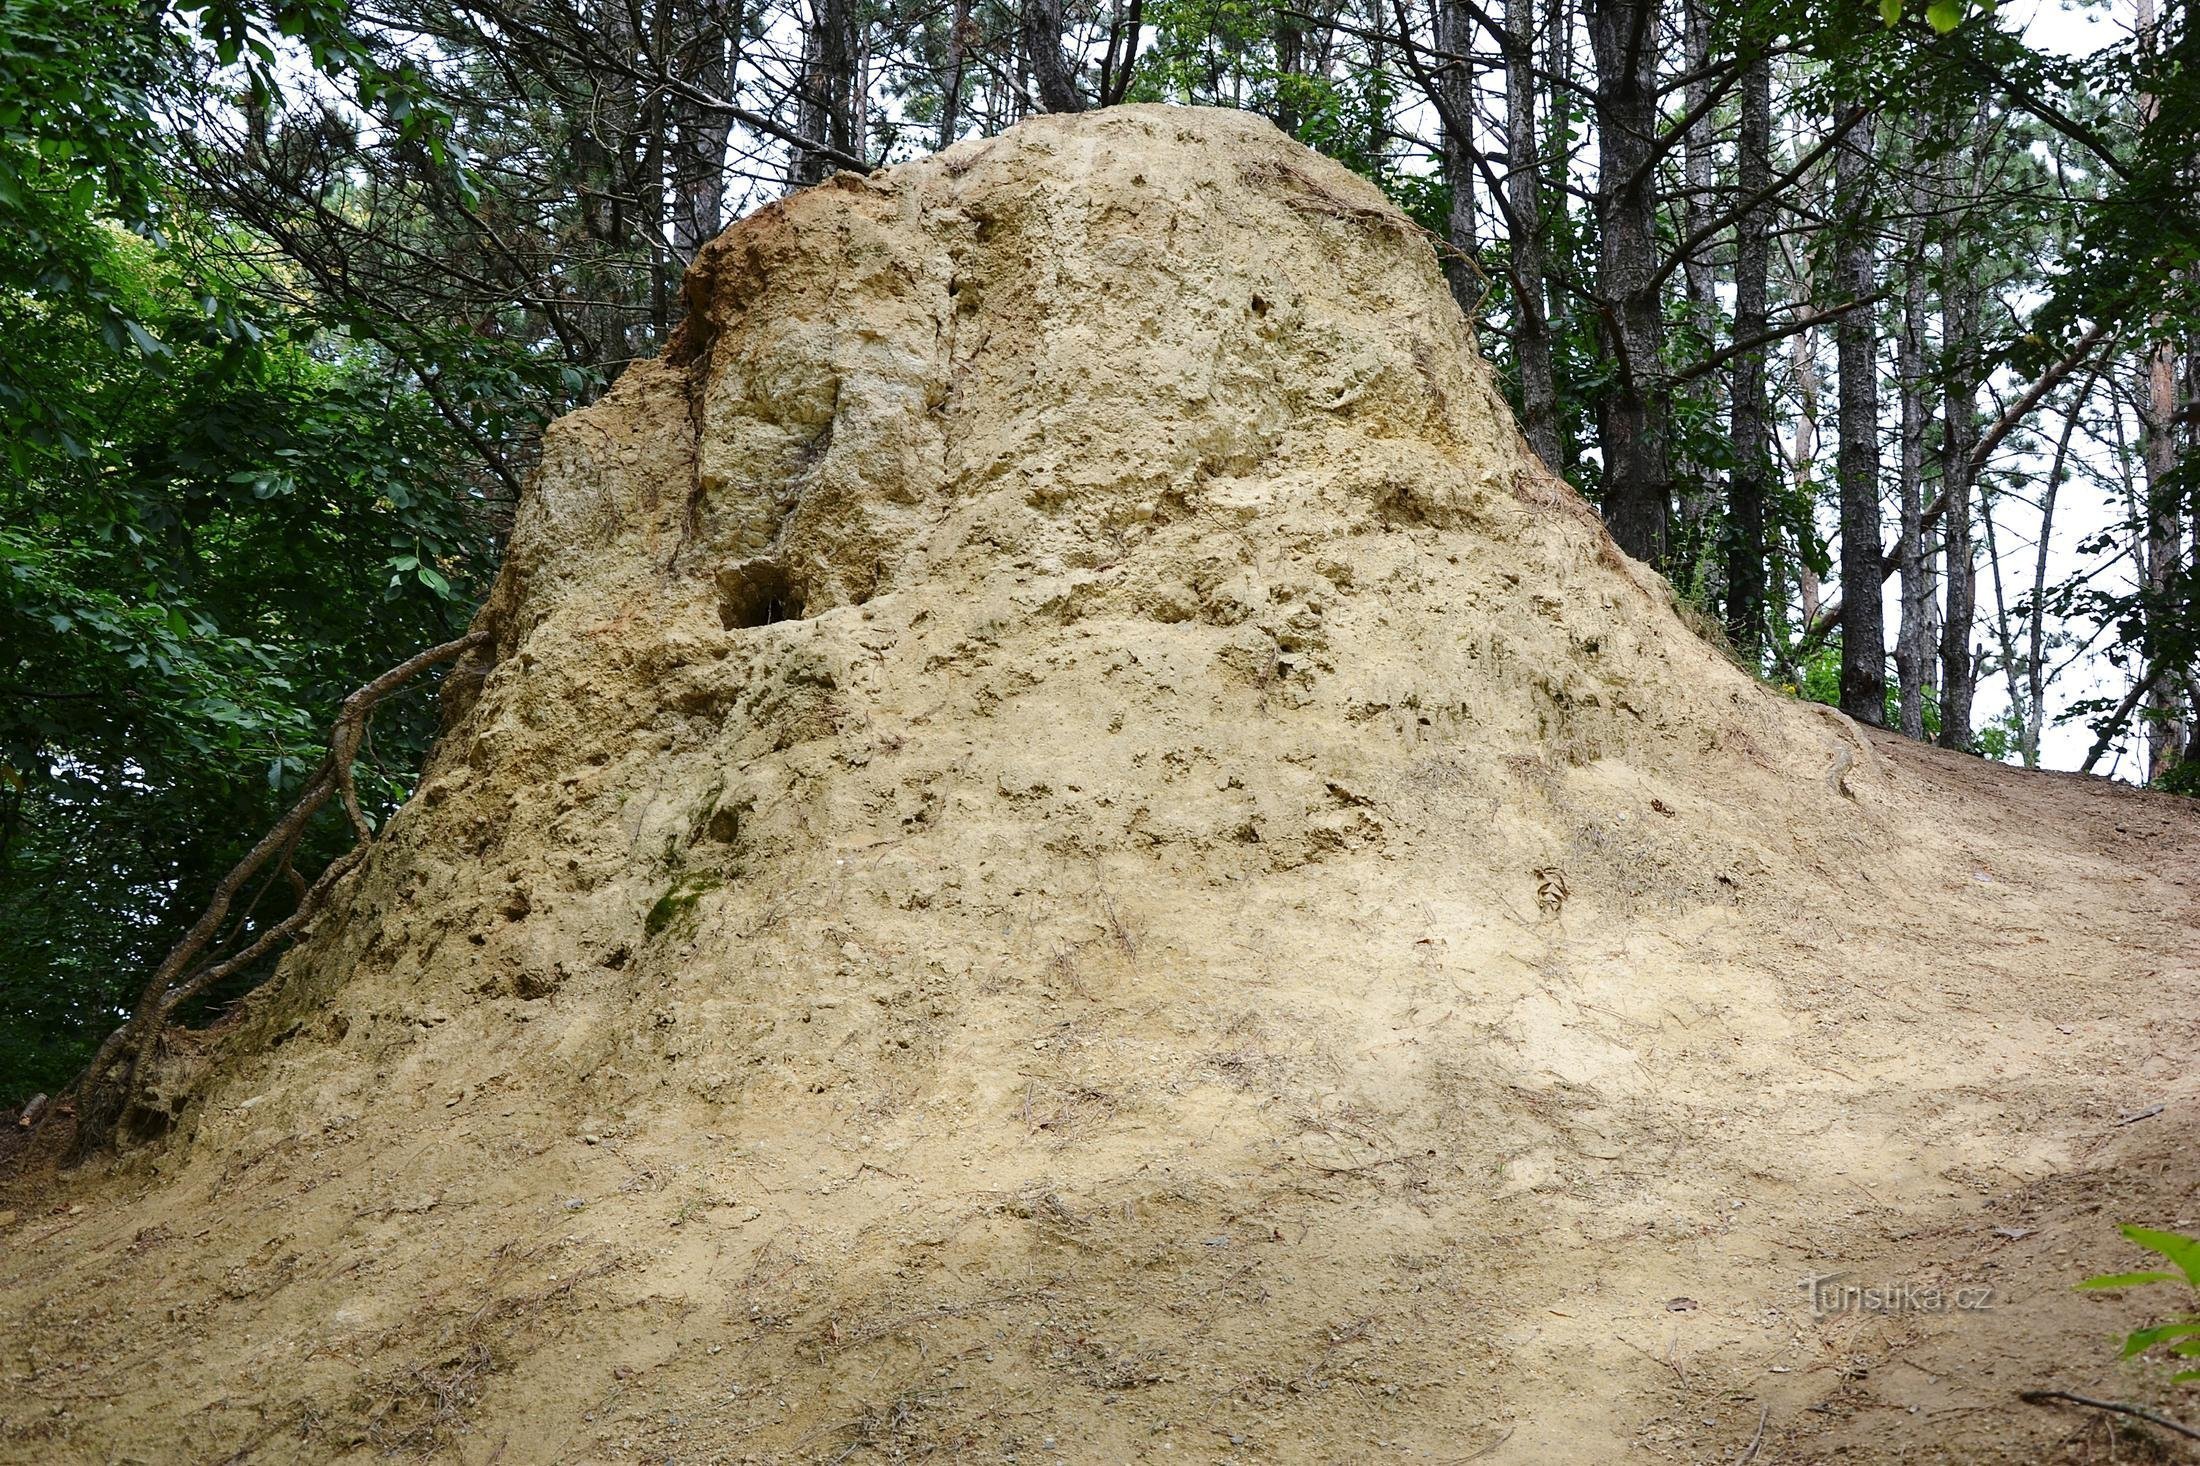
(1066, 851)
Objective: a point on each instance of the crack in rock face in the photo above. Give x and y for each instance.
(1064, 849)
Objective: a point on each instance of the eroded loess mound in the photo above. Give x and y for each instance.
(1066, 851)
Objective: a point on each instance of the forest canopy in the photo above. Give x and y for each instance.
(1875, 328)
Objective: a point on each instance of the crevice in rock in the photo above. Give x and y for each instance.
(757, 592)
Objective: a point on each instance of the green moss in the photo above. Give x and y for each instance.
(677, 902)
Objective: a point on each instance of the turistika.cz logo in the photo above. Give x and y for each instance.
(1831, 1293)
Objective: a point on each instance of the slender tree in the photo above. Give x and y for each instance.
(1959, 314)
(1633, 413)
(1863, 628)
(1532, 347)
(1453, 82)
(1752, 480)
(1913, 656)
(832, 105)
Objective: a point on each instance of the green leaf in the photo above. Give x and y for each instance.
(2141, 1340)
(144, 340)
(1944, 15)
(2128, 1280)
(2183, 1252)
(1890, 12)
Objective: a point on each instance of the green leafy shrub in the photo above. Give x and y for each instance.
(2182, 1335)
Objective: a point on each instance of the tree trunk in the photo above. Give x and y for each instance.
(1803, 446)
(1693, 478)
(1863, 628)
(652, 191)
(1959, 435)
(706, 63)
(604, 148)
(2035, 661)
(2160, 544)
(1632, 413)
(1523, 196)
(2004, 636)
(831, 104)
(958, 41)
(1290, 52)
(1050, 69)
(1454, 39)
(1746, 550)
(2158, 558)
(805, 166)
(2190, 415)
(1913, 651)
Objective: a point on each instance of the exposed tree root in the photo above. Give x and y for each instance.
(112, 1084)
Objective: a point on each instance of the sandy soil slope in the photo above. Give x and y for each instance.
(1066, 853)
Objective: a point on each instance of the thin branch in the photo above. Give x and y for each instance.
(1727, 353)
(2050, 1397)
(1721, 222)
(2022, 408)
(2114, 727)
